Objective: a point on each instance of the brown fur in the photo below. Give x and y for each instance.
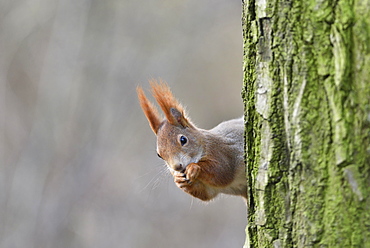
(210, 162)
(149, 109)
(164, 97)
(168, 103)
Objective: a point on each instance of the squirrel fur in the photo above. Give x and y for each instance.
(203, 163)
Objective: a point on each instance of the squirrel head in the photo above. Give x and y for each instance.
(179, 142)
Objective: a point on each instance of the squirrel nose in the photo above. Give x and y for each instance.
(178, 167)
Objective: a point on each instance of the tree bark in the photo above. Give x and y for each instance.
(307, 111)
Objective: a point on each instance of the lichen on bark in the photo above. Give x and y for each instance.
(307, 112)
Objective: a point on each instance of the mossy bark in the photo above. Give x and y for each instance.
(307, 111)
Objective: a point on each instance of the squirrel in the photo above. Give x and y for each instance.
(203, 163)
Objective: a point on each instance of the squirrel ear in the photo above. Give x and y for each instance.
(149, 110)
(171, 107)
(180, 118)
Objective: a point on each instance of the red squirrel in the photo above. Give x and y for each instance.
(203, 163)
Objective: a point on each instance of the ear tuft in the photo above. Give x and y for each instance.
(149, 110)
(172, 109)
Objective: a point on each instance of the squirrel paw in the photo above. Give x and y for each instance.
(181, 180)
(186, 179)
(192, 172)
(189, 182)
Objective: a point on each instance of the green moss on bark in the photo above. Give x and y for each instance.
(251, 137)
(307, 109)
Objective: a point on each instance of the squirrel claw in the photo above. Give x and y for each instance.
(189, 182)
(181, 180)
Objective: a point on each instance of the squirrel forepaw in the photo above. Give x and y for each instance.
(192, 172)
(180, 180)
(189, 182)
(186, 179)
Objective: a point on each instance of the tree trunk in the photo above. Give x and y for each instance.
(307, 107)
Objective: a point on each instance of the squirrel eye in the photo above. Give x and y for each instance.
(159, 156)
(183, 140)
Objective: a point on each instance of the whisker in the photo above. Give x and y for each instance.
(191, 203)
(155, 180)
(159, 179)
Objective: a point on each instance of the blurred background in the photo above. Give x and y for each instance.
(78, 161)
